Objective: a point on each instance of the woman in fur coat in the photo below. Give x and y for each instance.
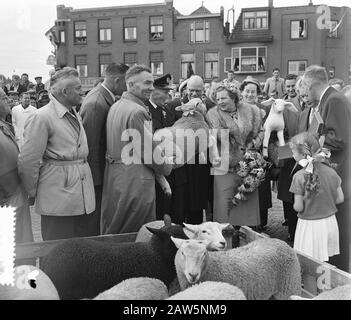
(244, 122)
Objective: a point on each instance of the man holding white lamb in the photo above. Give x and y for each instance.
(128, 199)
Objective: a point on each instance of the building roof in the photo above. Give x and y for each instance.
(201, 11)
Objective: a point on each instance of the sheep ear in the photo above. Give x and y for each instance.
(226, 226)
(158, 232)
(291, 106)
(268, 102)
(298, 298)
(177, 242)
(167, 220)
(190, 230)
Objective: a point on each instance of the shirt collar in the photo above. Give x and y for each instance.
(110, 92)
(153, 104)
(60, 108)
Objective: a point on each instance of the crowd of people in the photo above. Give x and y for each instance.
(66, 151)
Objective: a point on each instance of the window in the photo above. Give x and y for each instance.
(156, 61)
(130, 59)
(104, 61)
(62, 36)
(256, 20)
(130, 29)
(227, 64)
(80, 32)
(82, 65)
(105, 30)
(297, 67)
(331, 26)
(249, 60)
(187, 62)
(211, 64)
(298, 29)
(156, 28)
(199, 31)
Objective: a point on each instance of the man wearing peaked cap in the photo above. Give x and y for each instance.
(161, 118)
(39, 86)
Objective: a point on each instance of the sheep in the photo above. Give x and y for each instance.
(275, 121)
(262, 269)
(83, 268)
(338, 293)
(210, 290)
(141, 288)
(31, 283)
(180, 141)
(211, 231)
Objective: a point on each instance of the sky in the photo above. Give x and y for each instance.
(24, 47)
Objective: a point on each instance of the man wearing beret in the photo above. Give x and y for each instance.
(161, 118)
(39, 86)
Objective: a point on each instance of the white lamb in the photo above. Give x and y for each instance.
(31, 283)
(211, 231)
(275, 121)
(263, 269)
(338, 293)
(210, 290)
(142, 288)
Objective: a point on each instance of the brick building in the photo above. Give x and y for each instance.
(159, 36)
(290, 38)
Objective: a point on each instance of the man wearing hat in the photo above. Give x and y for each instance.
(39, 86)
(161, 118)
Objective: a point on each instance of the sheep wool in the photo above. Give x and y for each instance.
(210, 290)
(338, 293)
(136, 289)
(262, 269)
(31, 283)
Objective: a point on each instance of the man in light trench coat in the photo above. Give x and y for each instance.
(53, 161)
(128, 197)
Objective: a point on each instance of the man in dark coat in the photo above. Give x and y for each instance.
(161, 117)
(39, 86)
(94, 112)
(335, 110)
(195, 191)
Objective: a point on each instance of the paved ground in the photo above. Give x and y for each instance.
(274, 227)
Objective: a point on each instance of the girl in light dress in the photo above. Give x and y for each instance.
(317, 191)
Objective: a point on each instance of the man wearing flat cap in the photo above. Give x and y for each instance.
(39, 86)
(161, 118)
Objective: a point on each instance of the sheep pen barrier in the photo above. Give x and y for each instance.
(317, 276)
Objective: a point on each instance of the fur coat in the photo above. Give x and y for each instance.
(245, 129)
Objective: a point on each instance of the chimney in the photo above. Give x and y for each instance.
(270, 3)
(311, 3)
(226, 29)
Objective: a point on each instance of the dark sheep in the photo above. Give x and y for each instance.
(83, 268)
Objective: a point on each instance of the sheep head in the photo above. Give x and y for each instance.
(190, 107)
(278, 105)
(191, 258)
(210, 231)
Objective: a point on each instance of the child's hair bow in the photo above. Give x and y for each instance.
(307, 163)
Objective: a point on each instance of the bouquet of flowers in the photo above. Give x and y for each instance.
(252, 170)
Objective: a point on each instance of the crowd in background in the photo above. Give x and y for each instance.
(66, 151)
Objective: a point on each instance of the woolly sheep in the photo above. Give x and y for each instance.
(275, 121)
(338, 293)
(211, 231)
(193, 120)
(210, 290)
(262, 269)
(141, 288)
(31, 283)
(83, 268)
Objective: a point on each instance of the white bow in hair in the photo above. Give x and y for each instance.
(307, 163)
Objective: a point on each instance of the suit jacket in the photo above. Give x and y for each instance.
(161, 116)
(335, 111)
(94, 112)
